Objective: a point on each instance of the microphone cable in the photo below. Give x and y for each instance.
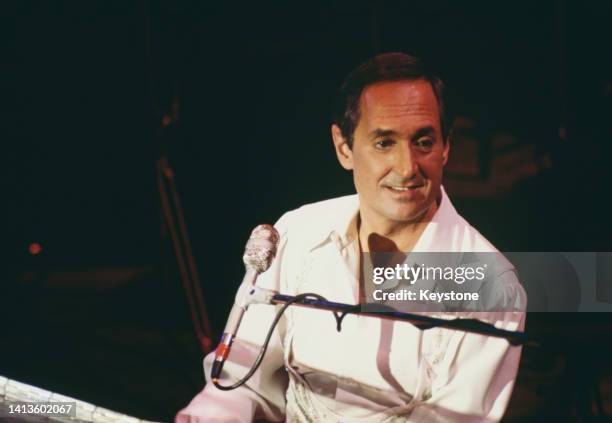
(264, 347)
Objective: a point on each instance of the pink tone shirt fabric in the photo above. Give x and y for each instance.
(374, 370)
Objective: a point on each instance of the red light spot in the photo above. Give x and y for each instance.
(166, 120)
(35, 248)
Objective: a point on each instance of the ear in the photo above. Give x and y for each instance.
(343, 151)
(445, 151)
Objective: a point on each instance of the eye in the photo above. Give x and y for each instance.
(384, 144)
(424, 144)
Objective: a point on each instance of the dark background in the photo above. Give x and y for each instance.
(86, 85)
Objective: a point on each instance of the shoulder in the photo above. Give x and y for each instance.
(301, 230)
(502, 289)
(319, 218)
(473, 238)
(452, 232)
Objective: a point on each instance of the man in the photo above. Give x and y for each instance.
(392, 131)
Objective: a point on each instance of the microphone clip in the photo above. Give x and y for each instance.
(257, 295)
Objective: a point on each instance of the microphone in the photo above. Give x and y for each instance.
(258, 255)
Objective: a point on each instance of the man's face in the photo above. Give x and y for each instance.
(398, 152)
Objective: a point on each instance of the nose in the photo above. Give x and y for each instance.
(405, 164)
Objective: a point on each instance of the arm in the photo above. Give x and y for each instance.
(263, 395)
(474, 380)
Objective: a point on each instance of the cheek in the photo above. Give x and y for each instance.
(363, 174)
(432, 169)
(360, 177)
(363, 178)
(368, 167)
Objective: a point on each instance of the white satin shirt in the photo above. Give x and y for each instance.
(374, 370)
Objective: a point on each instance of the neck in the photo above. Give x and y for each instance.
(392, 235)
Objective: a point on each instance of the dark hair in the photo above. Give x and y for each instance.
(381, 68)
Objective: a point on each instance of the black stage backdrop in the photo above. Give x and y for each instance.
(248, 88)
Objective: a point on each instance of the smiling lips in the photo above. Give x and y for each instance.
(403, 188)
(403, 191)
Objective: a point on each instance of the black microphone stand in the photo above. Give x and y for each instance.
(264, 296)
(165, 107)
(421, 321)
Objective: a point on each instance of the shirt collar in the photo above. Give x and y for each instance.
(434, 237)
(340, 226)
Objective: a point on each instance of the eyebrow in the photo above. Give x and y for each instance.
(380, 133)
(426, 130)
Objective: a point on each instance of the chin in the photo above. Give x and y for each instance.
(411, 215)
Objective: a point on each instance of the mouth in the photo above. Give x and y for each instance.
(402, 188)
(404, 192)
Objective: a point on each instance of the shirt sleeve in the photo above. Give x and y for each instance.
(474, 380)
(263, 395)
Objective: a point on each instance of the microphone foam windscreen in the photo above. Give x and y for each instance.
(261, 248)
